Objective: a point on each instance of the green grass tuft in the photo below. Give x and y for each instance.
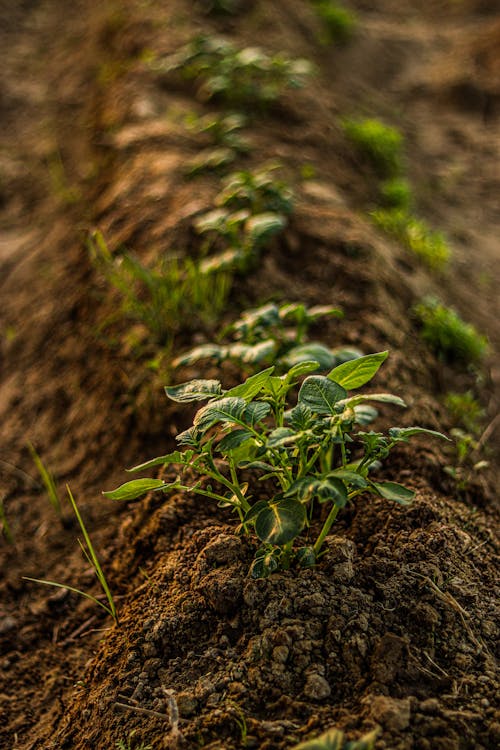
(448, 335)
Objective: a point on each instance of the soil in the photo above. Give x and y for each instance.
(397, 627)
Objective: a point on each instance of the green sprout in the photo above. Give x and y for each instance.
(428, 245)
(252, 207)
(334, 739)
(227, 143)
(338, 22)
(91, 557)
(450, 337)
(47, 479)
(379, 143)
(161, 298)
(310, 448)
(5, 529)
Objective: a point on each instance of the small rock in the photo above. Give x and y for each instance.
(187, 704)
(430, 706)
(7, 624)
(316, 687)
(393, 713)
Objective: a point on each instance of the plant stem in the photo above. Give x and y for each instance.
(326, 529)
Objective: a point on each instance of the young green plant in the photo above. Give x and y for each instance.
(273, 456)
(273, 334)
(47, 479)
(448, 335)
(91, 556)
(5, 529)
(240, 77)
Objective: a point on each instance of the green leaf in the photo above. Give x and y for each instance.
(227, 260)
(177, 457)
(135, 488)
(357, 372)
(224, 410)
(253, 353)
(384, 398)
(404, 433)
(281, 436)
(206, 351)
(326, 489)
(281, 521)
(320, 394)
(301, 368)
(364, 414)
(255, 412)
(233, 440)
(263, 226)
(264, 565)
(194, 390)
(306, 557)
(394, 491)
(306, 352)
(252, 386)
(350, 477)
(300, 417)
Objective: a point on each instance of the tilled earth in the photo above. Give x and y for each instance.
(397, 627)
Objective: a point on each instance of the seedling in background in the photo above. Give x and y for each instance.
(396, 193)
(334, 739)
(338, 23)
(91, 556)
(466, 411)
(450, 337)
(48, 481)
(428, 245)
(309, 449)
(162, 298)
(5, 529)
(379, 143)
(273, 334)
(240, 77)
(252, 208)
(224, 133)
(129, 743)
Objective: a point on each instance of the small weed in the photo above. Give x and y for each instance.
(428, 245)
(466, 464)
(379, 143)
(338, 23)
(465, 410)
(239, 77)
(396, 193)
(162, 298)
(48, 481)
(5, 529)
(334, 739)
(309, 448)
(448, 335)
(130, 744)
(273, 334)
(90, 555)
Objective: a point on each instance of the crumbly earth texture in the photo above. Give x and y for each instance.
(397, 626)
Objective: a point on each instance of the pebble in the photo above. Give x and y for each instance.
(316, 687)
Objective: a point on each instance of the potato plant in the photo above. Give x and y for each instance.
(251, 208)
(240, 77)
(273, 334)
(273, 455)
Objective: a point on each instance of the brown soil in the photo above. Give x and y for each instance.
(397, 627)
